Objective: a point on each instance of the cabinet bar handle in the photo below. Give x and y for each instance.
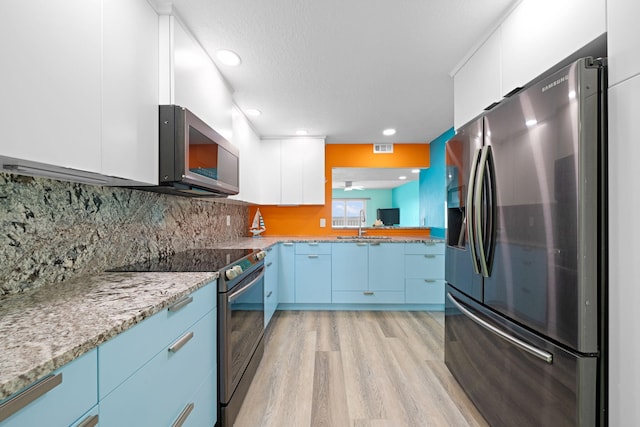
(361, 244)
(181, 342)
(268, 249)
(430, 280)
(375, 244)
(180, 304)
(429, 256)
(287, 244)
(183, 415)
(90, 421)
(430, 243)
(313, 243)
(269, 294)
(27, 396)
(368, 293)
(313, 256)
(269, 264)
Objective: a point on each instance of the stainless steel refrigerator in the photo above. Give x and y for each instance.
(526, 253)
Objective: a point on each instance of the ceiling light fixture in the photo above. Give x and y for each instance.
(389, 132)
(402, 177)
(253, 112)
(228, 57)
(415, 170)
(302, 132)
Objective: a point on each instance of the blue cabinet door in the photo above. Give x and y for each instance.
(313, 278)
(386, 267)
(270, 283)
(349, 266)
(286, 273)
(75, 393)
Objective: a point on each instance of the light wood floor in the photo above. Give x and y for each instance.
(358, 369)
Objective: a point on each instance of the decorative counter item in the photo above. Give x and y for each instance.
(257, 227)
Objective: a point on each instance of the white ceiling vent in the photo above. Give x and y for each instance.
(382, 148)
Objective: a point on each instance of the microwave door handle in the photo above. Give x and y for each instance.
(469, 212)
(480, 216)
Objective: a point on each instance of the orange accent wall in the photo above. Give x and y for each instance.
(305, 220)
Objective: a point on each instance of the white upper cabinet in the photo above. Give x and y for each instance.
(537, 35)
(540, 33)
(50, 74)
(130, 90)
(80, 89)
(292, 171)
(189, 78)
(248, 142)
(623, 39)
(470, 96)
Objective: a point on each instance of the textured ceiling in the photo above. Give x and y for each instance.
(345, 69)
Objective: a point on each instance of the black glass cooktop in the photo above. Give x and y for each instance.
(193, 260)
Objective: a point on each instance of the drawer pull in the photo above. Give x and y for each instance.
(375, 244)
(24, 398)
(367, 293)
(313, 244)
(430, 280)
(430, 243)
(269, 294)
(181, 342)
(180, 304)
(269, 264)
(313, 256)
(268, 249)
(361, 244)
(287, 244)
(90, 421)
(183, 415)
(429, 256)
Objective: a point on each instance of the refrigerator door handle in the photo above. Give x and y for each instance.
(534, 351)
(469, 212)
(485, 242)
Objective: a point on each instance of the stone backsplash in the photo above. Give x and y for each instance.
(52, 230)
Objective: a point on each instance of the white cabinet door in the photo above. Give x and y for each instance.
(623, 39)
(130, 91)
(313, 176)
(249, 145)
(539, 34)
(50, 74)
(269, 172)
(624, 269)
(291, 172)
(197, 83)
(478, 83)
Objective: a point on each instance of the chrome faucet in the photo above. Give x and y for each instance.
(362, 219)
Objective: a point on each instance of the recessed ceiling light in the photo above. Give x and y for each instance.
(531, 122)
(402, 177)
(228, 57)
(415, 170)
(252, 112)
(301, 132)
(389, 132)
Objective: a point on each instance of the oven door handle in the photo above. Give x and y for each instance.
(236, 294)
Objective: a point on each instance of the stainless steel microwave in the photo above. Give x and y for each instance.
(195, 160)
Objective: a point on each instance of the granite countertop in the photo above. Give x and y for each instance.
(266, 241)
(44, 329)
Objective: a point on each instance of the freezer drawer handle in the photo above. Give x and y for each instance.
(540, 354)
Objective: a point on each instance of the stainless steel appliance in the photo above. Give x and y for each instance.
(240, 315)
(194, 159)
(526, 253)
(240, 331)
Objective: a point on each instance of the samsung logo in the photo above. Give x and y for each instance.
(555, 83)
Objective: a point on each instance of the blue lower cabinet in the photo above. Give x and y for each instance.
(271, 263)
(368, 297)
(59, 399)
(158, 392)
(286, 273)
(313, 278)
(425, 291)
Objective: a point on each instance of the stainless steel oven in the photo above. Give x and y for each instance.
(240, 331)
